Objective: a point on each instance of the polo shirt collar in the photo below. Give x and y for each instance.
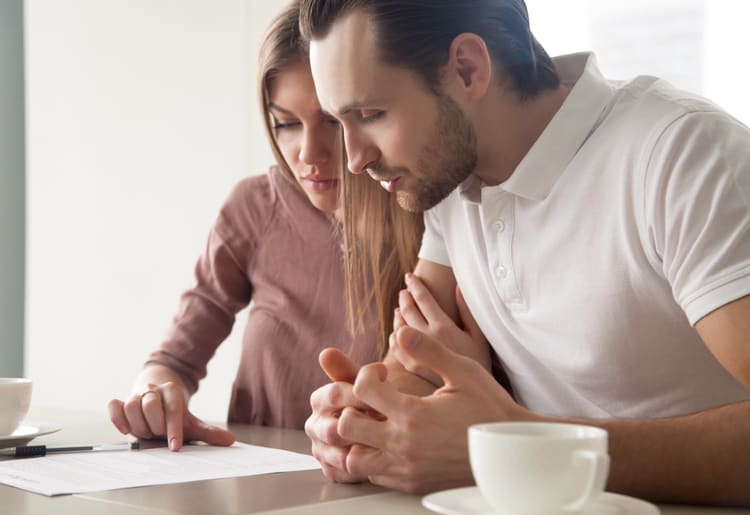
(536, 174)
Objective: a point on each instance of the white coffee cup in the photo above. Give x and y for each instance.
(15, 399)
(538, 468)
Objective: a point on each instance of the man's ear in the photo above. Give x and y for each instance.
(469, 67)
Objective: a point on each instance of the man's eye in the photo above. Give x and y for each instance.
(332, 121)
(368, 115)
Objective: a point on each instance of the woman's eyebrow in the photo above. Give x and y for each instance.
(280, 109)
(277, 107)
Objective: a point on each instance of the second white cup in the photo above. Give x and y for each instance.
(538, 468)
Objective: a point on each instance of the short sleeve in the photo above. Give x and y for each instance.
(697, 204)
(433, 244)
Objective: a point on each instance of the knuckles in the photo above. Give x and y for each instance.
(331, 434)
(336, 457)
(310, 427)
(420, 295)
(334, 396)
(330, 397)
(132, 405)
(323, 431)
(345, 424)
(443, 333)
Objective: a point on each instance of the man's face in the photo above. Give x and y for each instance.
(416, 144)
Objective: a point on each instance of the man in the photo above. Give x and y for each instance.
(599, 232)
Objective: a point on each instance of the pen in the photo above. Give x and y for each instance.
(28, 451)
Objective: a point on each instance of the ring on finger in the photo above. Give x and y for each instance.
(146, 392)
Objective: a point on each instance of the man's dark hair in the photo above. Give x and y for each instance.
(417, 34)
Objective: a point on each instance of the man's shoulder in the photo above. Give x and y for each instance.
(650, 99)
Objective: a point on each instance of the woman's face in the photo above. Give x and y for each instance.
(307, 137)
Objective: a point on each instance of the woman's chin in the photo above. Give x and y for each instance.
(327, 202)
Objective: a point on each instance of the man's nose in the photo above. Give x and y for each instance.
(361, 153)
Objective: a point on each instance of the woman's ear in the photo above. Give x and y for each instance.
(469, 67)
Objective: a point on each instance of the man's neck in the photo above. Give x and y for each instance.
(507, 128)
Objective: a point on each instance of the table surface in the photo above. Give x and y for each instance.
(288, 493)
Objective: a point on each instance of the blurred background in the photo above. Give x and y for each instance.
(124, 124)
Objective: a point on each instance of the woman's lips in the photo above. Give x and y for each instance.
(320, 185)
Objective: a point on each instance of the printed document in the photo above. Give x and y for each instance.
(57, 474)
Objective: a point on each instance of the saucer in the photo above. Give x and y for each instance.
(27, 432)
(468, 501)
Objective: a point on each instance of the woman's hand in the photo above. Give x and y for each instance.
(160, 410)
(419, 309)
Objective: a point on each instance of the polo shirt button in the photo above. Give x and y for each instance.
(501, 272)
(499, 226)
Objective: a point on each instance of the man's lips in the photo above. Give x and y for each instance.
(390, 184)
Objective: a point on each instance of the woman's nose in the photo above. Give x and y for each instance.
(315, 149)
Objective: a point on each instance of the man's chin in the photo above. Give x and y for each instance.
(409, 202)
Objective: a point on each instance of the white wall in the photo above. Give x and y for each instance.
(141, 116)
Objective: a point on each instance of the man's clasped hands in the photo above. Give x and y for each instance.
(402, 423)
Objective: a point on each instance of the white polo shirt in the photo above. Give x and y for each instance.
(627, 221)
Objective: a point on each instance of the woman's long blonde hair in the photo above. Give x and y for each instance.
(381, 241)
(282, 48)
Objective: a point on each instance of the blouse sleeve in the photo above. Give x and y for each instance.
(206, 311)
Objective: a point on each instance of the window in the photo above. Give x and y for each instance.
(690, 43)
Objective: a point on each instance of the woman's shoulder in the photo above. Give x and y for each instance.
(256, 200)
(248, 207)
(263, 190)
(253, 189)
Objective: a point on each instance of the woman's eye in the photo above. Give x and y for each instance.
(285, 125)
(332, 121)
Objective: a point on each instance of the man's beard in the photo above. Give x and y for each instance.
(445, 162)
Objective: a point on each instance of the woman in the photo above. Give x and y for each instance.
(277, 241)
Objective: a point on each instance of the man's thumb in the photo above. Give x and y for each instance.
(337, 366)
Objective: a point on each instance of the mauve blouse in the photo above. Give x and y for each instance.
(271, 246)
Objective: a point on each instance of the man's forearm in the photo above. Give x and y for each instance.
(702, 458)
